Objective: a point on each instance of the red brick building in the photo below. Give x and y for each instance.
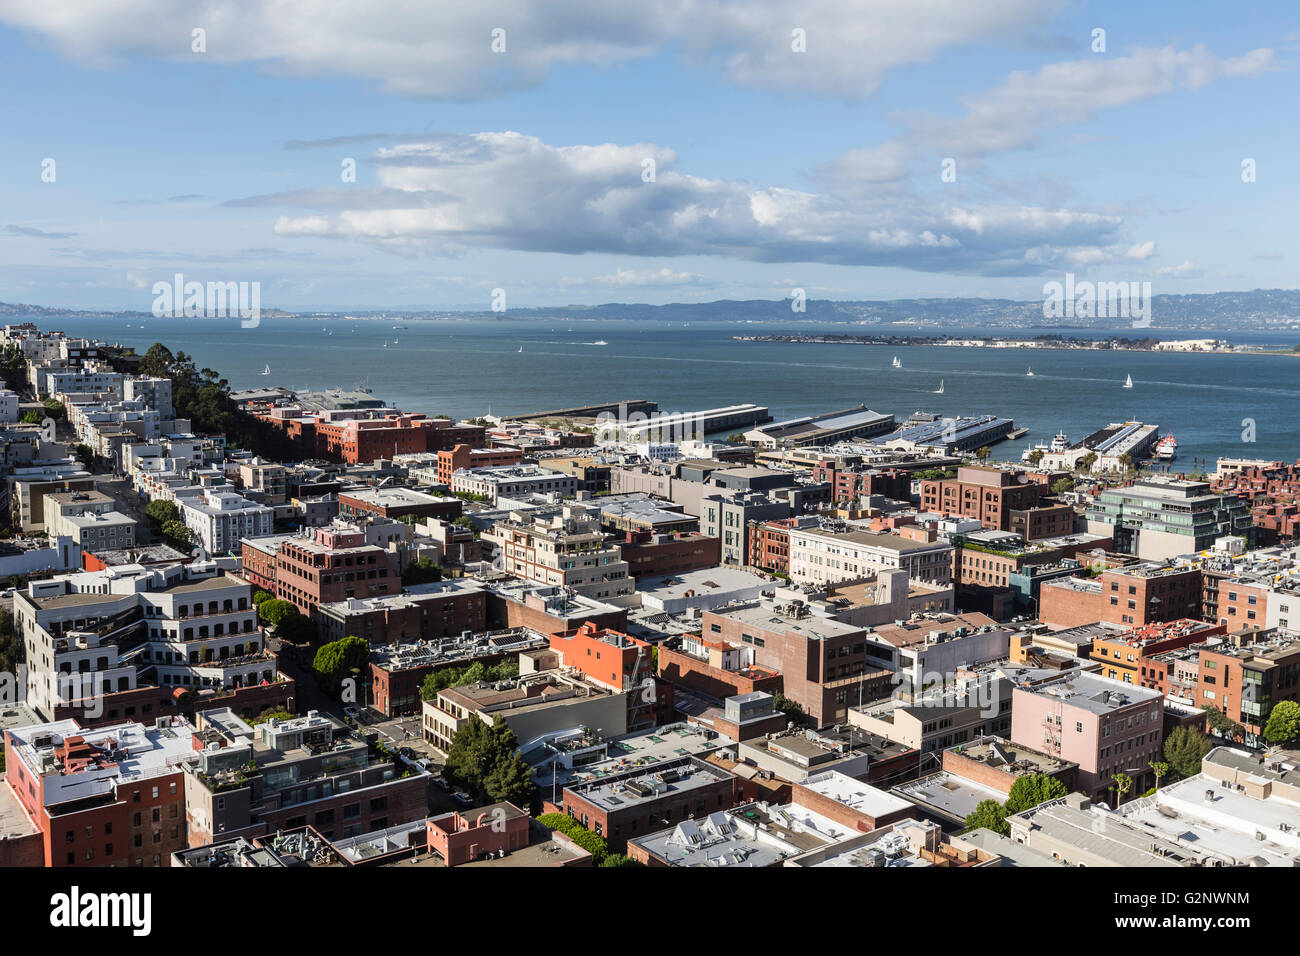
(711, 676)
(850, 483)
(463, 456)
(397, 503)
(650, 555)
(988, 494)
(623, 806)
(1134, 596)
(332, 566)
(112, 796)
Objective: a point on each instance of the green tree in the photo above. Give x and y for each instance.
(511, 780)
(1087, 461)
(1121, 783)
(274, 611)
(485, 761)
(1036, 457)
(162, 511)
(618, 859)
(84, 454)
(11, 644)
(983, 453)
(1283, 725)
(1061, 485)
(296, 628)
(1160, 769)
(591, 842)
(1222, 724)
(259, 596)
(1184, 748)
(1031, 790)
(421, 571)
(54, 408)
(991, 815)
(32, 417)
(337, 659)
(178, 532)
(788, 707)
(269, 713)
(157, 362)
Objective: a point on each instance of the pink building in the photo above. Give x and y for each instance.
(465, 837)
(1105, 726)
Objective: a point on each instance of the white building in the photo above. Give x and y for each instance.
(822, 556)
(220, 518)
(8, 406)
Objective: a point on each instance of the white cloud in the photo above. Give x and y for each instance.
(444, 49)
(1142, 251)
(1187, 270)
(510, 191)
(1029, 106)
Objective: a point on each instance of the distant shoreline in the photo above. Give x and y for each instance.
(1063, 344)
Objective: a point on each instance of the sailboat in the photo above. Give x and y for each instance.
(521, 348)
(1030, 373)
(897, 363)
(267, 370)
(1128, 381)
(939, 390)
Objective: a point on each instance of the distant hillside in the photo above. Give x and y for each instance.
(1259, 310)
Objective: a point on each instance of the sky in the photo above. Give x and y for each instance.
(584, 151)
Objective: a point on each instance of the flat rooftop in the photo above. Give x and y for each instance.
(854, 794)
(1091, 692)
(950, 795)
(1212, 820)
(633, 789)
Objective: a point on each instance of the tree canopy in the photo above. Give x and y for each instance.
(1283, 723)
(421, 571)
(1184, 748)
(336, 659)
(989, 814)
(591, 842)
(484, 760)
(1031, 790)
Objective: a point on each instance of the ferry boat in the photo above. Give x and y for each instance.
(1166, 448)
(1059, 444)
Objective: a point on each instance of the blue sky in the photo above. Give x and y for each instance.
(522, 170)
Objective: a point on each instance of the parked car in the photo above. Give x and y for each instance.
(464, 799)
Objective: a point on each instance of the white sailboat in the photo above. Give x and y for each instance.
(1128, 381)
(1030, 373)
(521, 348)
(267, 370)
(939, 390)
(897, 363)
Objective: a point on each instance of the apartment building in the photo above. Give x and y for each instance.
(461, 457)
(131, 638)
(90, 519)
(397, 503)
(422, 612)
(1160, 518)
(826, 556)
(335, 564)
(220, 519)
(621, 663)
(1105, 726)
(249, 781)
(513, 481)
(564, 548)
(1246, 675)
(108, 796)
(1128, 656)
